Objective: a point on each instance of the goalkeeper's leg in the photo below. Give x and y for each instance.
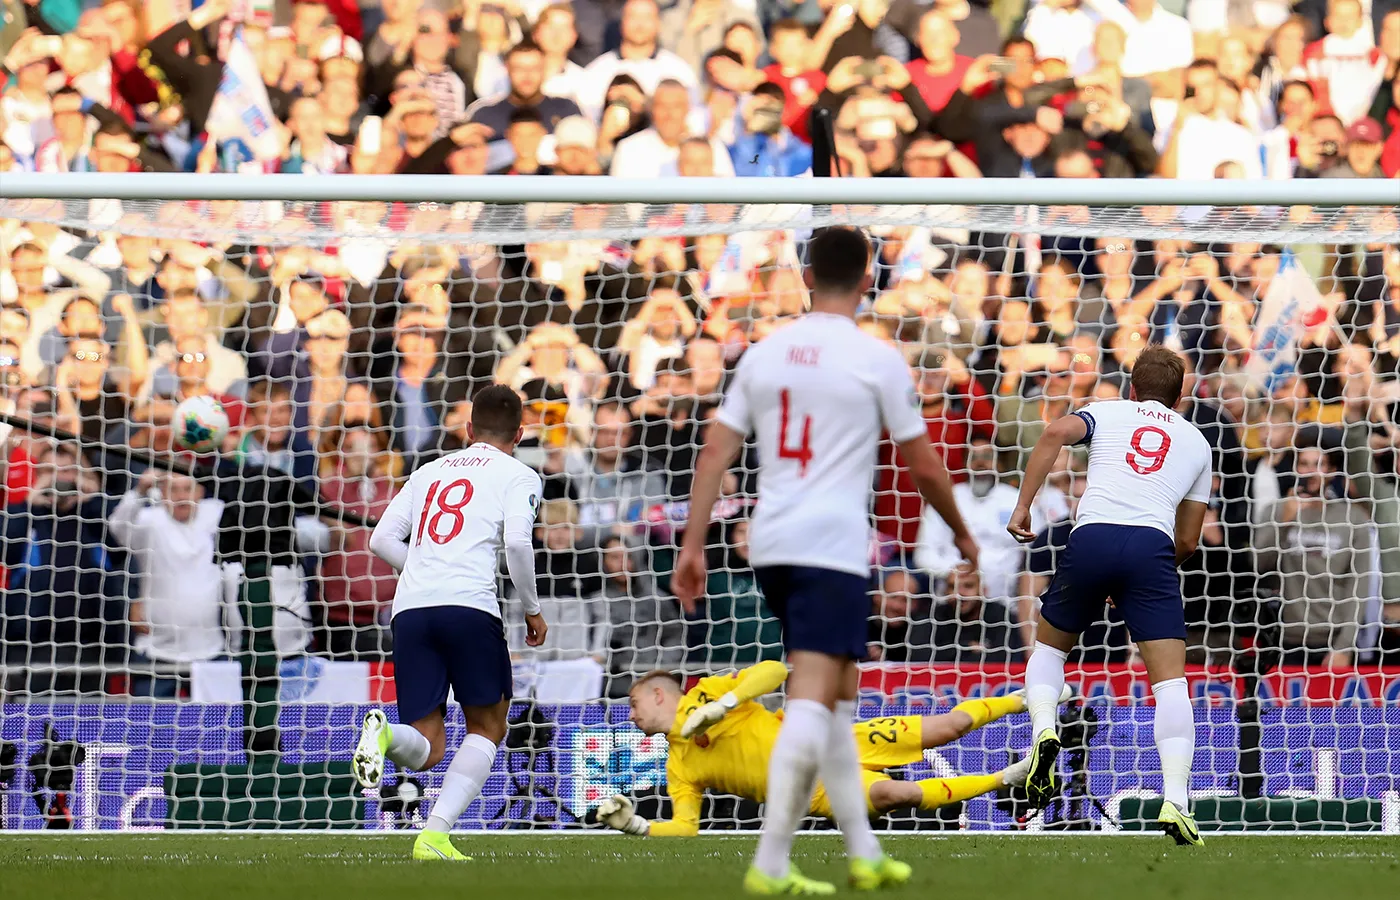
(970, 715)
(931, 793)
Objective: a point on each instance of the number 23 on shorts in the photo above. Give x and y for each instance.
(430, 519)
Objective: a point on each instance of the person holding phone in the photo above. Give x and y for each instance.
(764, 145)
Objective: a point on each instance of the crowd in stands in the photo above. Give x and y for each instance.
(345, 361)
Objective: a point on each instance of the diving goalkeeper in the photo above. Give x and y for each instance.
(720, 739)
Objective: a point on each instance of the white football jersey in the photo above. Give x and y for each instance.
(453, 511)
(1144, 459)
(817, 394)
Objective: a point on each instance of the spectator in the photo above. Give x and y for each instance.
(792, 70)
(170, 527)
(969, 626)
(658, 332)
(269, 440)
(1158, 44)
(900, 630)
(646, 626)
(89, 399)
(613, 486)
(1319, 544)
(415, 386)
(327, 371)
(985, 503)
(765, 146)
(569, 583)
(951, 422)
(1205, 134)
(940, 71)
(555, 354)
(65, 589)
(733, 627)
(653, 152)
(187, 323)
(1345, 65)
(576, 147)
(357, 588)
(524, 134)
(641, 57)
(1363, 152)
(525, 69)
(692, 29)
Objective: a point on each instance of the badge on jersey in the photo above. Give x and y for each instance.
(914, 400)
(534, 502)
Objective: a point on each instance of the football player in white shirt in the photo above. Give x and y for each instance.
(1140, 517)
(455, 514)
(816, 394)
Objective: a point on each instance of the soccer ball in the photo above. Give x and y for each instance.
(200, 424)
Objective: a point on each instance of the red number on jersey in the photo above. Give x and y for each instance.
(445, 507)
(803, 451)
(1144, 461)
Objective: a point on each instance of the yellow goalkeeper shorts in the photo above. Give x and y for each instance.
(822, 807)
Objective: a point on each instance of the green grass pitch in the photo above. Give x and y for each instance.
(958, 867)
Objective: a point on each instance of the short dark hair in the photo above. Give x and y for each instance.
(496, 412)
(788, 24)
(525, 115)
(1158, 374)
(524, 45)
(839, 259)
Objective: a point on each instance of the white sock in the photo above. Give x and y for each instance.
(408, 749)
(845, 791)
(792, 773)
(1045, 679)
(465, 776)
(1174, 730)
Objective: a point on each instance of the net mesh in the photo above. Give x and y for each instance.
(171, 644)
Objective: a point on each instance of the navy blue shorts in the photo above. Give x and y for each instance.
(821, 610)
(440, 646)
(1134, 566)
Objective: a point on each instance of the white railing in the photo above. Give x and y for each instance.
(571, 189)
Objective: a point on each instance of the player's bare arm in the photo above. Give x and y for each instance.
(1190, 518)
(722, 446)
(1061, 433)
(936, 487)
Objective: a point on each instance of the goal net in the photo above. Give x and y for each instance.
(197, 650)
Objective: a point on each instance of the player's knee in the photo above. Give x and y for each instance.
(437, 750)
(887, 795)
(944, 729)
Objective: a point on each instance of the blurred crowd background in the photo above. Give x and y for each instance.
(346, 340)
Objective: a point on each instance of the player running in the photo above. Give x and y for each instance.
(817, 394)
(721, 739)
(1148, 484)
(454, 514)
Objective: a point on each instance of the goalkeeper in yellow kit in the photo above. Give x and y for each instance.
(720, 740)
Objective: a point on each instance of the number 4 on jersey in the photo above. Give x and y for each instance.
(445, 507)
(803, 451)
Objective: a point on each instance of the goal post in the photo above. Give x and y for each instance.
(345, 323)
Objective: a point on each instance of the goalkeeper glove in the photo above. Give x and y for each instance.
(616, 813)
(698, 722)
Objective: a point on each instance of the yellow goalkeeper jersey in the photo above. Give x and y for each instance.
(732, 756)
